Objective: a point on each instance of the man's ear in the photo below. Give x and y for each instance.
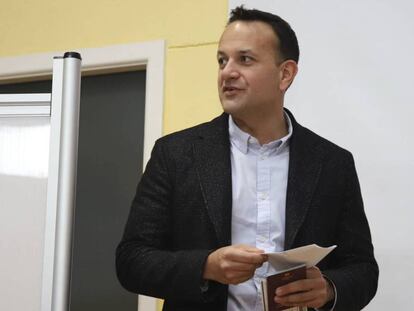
(288, 71)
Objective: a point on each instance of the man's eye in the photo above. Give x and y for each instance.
(245, 59)
(221, 61)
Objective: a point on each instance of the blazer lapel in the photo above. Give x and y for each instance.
(212, 158)
(304, 169)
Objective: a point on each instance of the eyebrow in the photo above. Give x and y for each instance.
(245, 51)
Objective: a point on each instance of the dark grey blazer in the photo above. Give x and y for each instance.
(182, 212)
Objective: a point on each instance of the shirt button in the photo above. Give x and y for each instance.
(263, 196)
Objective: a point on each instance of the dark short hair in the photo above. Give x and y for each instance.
(288, 43)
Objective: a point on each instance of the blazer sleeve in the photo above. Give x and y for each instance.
(356, 272)
(144, 263)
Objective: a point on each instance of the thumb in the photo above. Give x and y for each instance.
(250, 249)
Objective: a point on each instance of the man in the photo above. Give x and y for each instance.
(215, 197)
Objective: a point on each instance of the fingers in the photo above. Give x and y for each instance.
(243, 255)
(235, 277)
(238, 266)
(308, 295)
(248, 248)
(311, 292)
(298, 299)
(314, 279)
(301, 286)
(233, 264)
(313, 273)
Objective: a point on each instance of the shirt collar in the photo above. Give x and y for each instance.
(244, 141)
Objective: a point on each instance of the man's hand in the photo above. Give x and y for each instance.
(233, 264)
(314, 291)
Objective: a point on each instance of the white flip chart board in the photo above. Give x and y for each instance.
(23, 192)
(38, 152)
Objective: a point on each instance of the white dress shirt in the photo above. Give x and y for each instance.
(259, 183)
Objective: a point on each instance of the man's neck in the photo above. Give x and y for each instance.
(264, 128)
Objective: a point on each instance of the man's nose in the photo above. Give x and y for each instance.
(230, 71)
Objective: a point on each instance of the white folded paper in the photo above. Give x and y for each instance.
(309, 255)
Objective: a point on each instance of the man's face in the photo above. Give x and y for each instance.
(248, 77)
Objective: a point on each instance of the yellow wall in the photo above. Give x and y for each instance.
(191, 28)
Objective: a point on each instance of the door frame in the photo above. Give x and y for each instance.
(109, 59)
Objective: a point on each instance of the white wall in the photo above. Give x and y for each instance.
(355, 88)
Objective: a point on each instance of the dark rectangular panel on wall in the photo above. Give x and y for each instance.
(27, 87)
(111, 136)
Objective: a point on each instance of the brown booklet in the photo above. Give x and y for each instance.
(271, 283)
